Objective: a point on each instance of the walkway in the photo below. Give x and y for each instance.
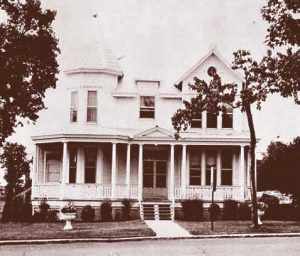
(166, 228)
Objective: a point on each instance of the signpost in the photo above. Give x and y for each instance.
(211, 162)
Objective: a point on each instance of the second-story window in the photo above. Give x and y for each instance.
(227, 117)
(74, 107)
(196, 120)
(147, 107)
(212, 120)
(91, 115)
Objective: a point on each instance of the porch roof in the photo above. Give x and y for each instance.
(154, 135)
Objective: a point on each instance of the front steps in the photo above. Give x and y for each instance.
(156, 211)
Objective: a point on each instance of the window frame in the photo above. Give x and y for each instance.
(91, 107)
(207, 118)
(74, 107)
(227, 114)
(46, 170)
(226, 169)
(73, 168)
(149, 109)
(86, 168)
(198, 119)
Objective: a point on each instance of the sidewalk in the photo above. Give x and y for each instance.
(128, 239)
(167, 229)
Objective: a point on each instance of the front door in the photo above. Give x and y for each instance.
(155, 179)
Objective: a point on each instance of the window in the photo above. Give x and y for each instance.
(196, 120)
(227, 117)
(53, 165)
(147, 107)
(72, 165)
(91, 106)
(226, 175)
(74, 107)
(211, 157)
(212, 120)
(195, 170)
(90, 165)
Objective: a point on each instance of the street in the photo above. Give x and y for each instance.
(236, 246)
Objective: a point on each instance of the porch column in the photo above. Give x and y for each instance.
(34, 174)
(65, 171)
(99, 167)
(128, 171)
(204, 119)
(113, 169)
(140, 173)
(203, 167)
(80, 168)
(219, 167)
(242, 172)
(172, 178)
(219, 121)
(183, 172)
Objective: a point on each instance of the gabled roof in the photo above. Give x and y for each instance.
(155, 132)
(213, 51)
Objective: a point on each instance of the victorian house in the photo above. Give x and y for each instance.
(118, 141)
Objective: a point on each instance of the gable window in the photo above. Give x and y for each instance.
(90, 165)
(147, 107)
(53, 166)
(195, 170)
(91, 106)
(72, 165)
(74, 107)
(226, 175)
(212, 120)
(227, 117)
(196, 120)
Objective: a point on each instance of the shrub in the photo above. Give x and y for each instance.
(273, 210)
(230, 210)
(88, 214)
(44, 207)
(244, 211)
(192, 209)
(214, 211)
(126, 209)
(106, 211)
(52, 216)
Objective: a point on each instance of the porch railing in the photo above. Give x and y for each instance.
(204, 193)
(83, 191)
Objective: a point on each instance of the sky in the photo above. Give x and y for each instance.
(163, 39)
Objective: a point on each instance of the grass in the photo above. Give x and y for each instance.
(11, 231)
(239, 227)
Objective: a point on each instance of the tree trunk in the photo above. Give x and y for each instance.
(252, 164)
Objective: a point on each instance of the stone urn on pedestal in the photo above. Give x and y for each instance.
(68, 213)
(261, 208)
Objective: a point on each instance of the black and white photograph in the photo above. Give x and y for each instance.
(150, 127)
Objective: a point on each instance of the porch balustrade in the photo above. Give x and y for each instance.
(204, 193)
(83, 191)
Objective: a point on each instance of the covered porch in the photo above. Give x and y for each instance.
(143, 168)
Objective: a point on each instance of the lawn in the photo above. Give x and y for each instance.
(10, 231)
(238, 227)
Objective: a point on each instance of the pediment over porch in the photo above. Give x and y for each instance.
(155, 132)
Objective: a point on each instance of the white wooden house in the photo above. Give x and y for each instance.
(119, 142)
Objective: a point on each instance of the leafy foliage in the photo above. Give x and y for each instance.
(230, 210)
(192, 209)
(88, 214)
(106, 211)
(126, 208)
(28, 51)
(17, 170)
(279, 169)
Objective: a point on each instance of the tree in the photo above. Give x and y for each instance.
(283, 39)
(17, 172)
(28, 66)
(279, 168)
(214, 96)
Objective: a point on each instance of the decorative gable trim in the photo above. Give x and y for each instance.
(214, 51)
(155, 132)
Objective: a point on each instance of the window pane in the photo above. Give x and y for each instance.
(207, 177)
(226, 177)
(226, 160)
(73, 165)
(148, 181)
(92, 98)
(147, 113)
(161, 181)
(196, 120)
(74, 99)
(147, 101)
(161, 167)
(90, 165)
(91, 114)
(211, 120)
(73, 115)
(227, 121)
(195, 181)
